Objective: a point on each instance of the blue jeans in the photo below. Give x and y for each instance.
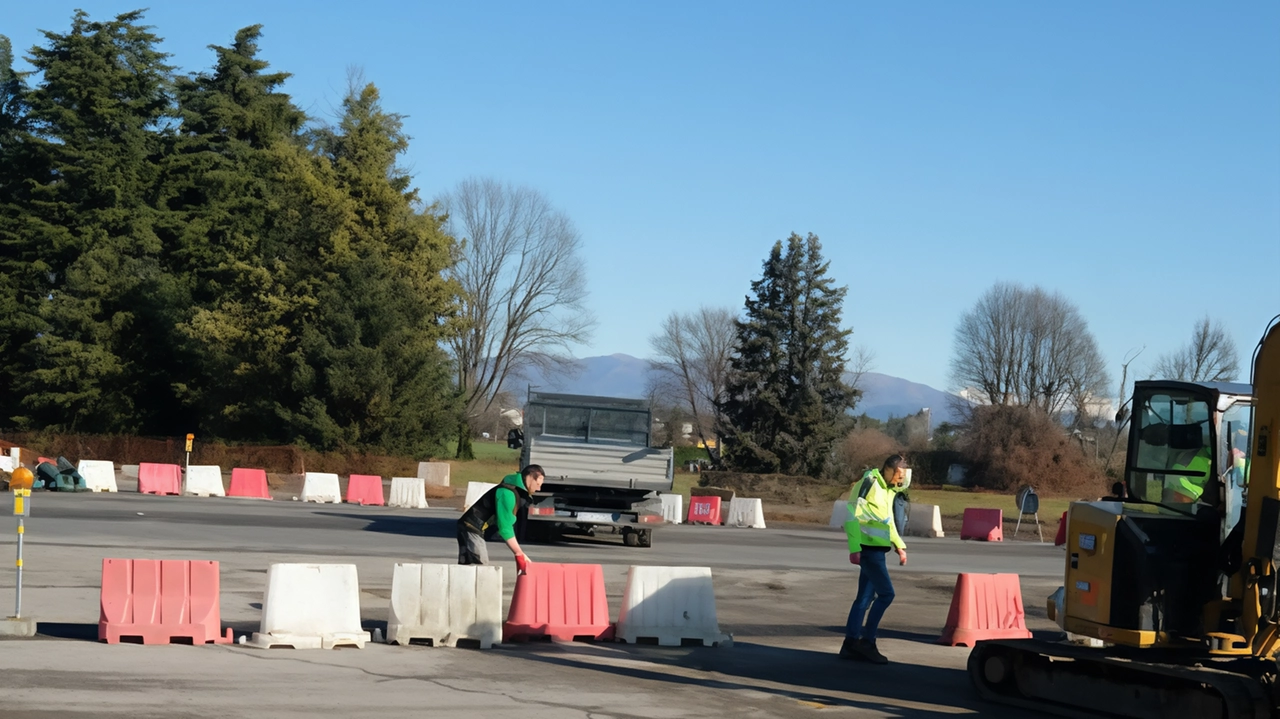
(873, 579)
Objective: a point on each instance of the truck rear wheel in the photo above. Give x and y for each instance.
(630, 537)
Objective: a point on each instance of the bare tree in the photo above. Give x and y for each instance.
(1027, 347)
(523, 287)
(1210, 356)
(691, 364)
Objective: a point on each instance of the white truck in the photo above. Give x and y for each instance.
(601, 474)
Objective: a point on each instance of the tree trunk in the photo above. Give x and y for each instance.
(464, 441)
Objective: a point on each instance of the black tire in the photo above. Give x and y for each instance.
(630, 537)
(646, 538)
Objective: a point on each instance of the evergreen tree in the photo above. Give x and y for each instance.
(18, 283)
(373, 348)
(84, 229)
(786, 401)
(223, 189)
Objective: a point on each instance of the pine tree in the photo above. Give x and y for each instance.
(84, 228)
(19, 285)
(787, 402)
(374, 346)
(230, 241)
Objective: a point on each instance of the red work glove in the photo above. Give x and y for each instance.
(522, 564)
(855, 558)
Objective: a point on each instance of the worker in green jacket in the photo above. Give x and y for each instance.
(498, 508)
(872, 533)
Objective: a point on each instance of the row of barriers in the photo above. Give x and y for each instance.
(984, 525)
(317, 606)
(207, 481)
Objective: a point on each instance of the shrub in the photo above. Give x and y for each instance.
(861, 450)
(1008, 447)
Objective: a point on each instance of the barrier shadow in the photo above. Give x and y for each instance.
(442, 527)
(817, 679)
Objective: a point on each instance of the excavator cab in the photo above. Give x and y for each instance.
(1140, 572)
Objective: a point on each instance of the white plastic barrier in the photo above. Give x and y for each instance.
(434, 474)
(7, 464)
(476, 490)
(839, 513)
(673, 508)
(321, 487)
(311, 606)
(926, 521)
(99, 475)
(745, 513)
(204, 480)
(445, 603)
(408, 492)
(670, 605)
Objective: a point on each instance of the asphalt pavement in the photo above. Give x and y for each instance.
(783, 593)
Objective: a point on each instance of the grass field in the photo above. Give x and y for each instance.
(952, 502)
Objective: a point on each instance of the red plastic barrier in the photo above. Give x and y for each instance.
(983, 524)
(985, 606)
(704, 510)
(159, 478)
(250, 483)
(1061, 538)
(565, 602)
(46, 460)
(365, 489)
(157, 601)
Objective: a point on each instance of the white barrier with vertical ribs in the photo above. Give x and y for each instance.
(99, 475)
(670, 605)
(673, 508)
(204, 480)
(925, 521)
(321, 487)
(839, 513)
(745, 513)
(408, 492)
(476, 490)
(311, 606)
(445, 603)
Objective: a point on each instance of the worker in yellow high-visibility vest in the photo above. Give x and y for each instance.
(872, 533)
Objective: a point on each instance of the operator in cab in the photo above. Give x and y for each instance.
(498, 508)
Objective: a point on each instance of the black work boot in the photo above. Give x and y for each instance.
(850, 650)
(871, 653)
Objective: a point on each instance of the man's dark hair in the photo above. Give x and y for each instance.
(894, 462)
(1118, 490)
(532, 469)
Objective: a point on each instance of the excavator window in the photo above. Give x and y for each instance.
(1174, 452)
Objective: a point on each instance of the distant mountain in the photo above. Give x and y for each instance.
(884, 396)
(621, 375)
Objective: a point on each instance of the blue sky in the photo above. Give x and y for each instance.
(1124, 154)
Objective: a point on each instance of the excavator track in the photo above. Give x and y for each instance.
(1076, 681)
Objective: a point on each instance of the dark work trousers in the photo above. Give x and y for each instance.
(873, 579)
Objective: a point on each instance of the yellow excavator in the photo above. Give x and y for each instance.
(1179, 580)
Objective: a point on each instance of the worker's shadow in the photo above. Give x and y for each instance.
(814, 679)
(443, 527)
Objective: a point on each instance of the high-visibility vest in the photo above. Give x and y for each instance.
(1191, 488)
(870, 522)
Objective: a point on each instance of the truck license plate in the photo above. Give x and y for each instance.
(594, 517)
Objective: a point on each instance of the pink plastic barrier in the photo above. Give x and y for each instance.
(157, 601)
(704, 510)
(986, 525)
(365, 489)
(559, 601)
(250, 483)
(159, 478)
(985, 606)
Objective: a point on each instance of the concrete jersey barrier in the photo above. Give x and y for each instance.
(434, 474)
